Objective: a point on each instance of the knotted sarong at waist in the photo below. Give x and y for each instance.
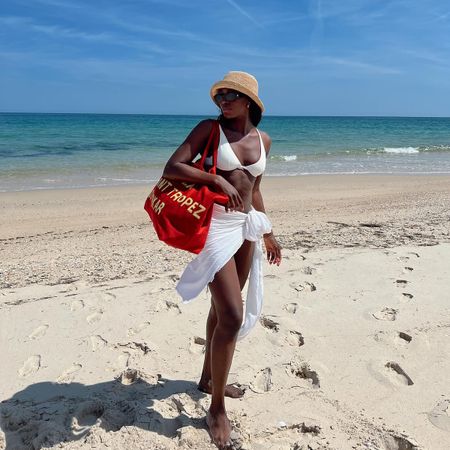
(227, 233)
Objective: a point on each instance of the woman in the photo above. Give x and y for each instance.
(232, 248)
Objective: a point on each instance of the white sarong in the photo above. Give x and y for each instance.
(227, 233)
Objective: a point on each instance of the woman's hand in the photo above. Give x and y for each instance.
(273, 249)
(235, 202)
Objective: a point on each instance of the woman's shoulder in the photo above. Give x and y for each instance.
(201, 131)
(206, 124)
(204, 127)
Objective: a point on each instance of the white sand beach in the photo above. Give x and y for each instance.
(97, 350)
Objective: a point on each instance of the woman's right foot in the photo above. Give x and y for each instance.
(230, 390)
(220, 429)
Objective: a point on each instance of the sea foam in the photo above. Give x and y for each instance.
(408, 150)
(284, 157)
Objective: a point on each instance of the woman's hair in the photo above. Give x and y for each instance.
(255, 113)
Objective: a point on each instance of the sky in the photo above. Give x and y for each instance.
(311, 57)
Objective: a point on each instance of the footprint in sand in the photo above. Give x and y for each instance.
(38, 332)
(269, 324)
(295, 338)
(307, 270)
(107, 296)
(406, 297)
(139, 347)
(301, 369)
(76, 305)
(173, 276)
(291, 308)
(406, 258)
(400, 442)
(440, 415)
(262, 381)
(403, 259)
(386, 314)
(123, 360)
(297, 286)
(168, 305)
(131, 376)
(306, 286)
(302, 427)
(30, 366)
(310, 287)
(401, 283)
(87, 415)
(396, 338)
(135, 330)
(397, 374)
(407, 269)
(197, 345)
(300, 435)
(172, 306)
(16, 418)
(69, 374)
(97, 342)
(184, 403)
(94, 317)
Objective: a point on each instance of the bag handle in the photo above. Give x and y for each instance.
(214, 139)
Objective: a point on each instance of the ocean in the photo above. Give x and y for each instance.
(49, 151)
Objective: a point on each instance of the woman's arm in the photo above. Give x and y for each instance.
(273, 248)
(178, 166)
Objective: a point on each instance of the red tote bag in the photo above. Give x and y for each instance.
(181, 211)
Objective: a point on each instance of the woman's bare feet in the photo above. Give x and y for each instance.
(230, 390)
(219, 428)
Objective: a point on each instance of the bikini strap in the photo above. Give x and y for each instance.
(261, 141)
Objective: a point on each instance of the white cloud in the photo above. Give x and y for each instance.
(367, 67)
(244, 13)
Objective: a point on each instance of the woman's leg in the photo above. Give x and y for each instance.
(205, 383)
(243, 260)
(227, 300)
(205, 380)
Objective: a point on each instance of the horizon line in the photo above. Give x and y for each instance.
(209, 115)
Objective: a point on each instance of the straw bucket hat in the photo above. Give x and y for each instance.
(239, 81)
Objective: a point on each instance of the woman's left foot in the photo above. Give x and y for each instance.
(231, 390)
(220, 429)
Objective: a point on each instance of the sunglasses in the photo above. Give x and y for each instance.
(228, 97)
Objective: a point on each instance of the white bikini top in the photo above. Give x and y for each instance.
(227, 159)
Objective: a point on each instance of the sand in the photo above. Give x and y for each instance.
(98, 352)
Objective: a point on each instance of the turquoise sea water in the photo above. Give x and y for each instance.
(42, 151)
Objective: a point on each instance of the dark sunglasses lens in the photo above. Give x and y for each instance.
(228, 97)
(231, 96)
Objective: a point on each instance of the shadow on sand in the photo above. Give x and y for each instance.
(46, 414)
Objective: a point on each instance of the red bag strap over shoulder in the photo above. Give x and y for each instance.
(213, 140)
(181, 212)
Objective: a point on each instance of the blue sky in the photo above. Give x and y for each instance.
(311, 57)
